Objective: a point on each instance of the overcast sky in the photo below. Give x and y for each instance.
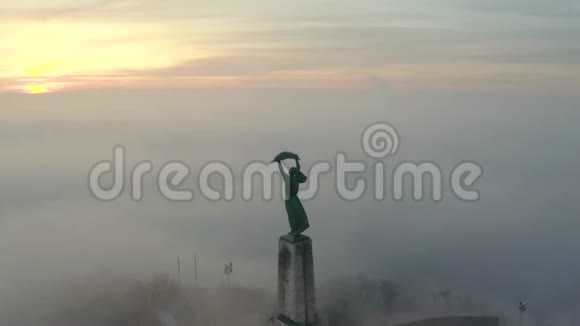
(490, 81)
(416, 45)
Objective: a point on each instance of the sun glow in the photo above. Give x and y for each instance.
(36, 89)
(81, 51)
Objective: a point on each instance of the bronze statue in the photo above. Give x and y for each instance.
(296, 215)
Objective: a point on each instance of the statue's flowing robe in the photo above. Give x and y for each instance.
(296, 214)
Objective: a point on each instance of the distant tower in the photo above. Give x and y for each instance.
(179, 270)
(195, 269)
(229, 269)
(522, 308)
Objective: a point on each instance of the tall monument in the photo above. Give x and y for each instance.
(296, 288)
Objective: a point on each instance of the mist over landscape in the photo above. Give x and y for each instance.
(516, 242)
(491, 82)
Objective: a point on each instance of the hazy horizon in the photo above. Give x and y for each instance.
(493, 82)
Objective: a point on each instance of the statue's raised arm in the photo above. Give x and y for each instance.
(285, 175)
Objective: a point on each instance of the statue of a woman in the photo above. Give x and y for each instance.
(292, 180)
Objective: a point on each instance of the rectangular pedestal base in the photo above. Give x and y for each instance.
(296, 289)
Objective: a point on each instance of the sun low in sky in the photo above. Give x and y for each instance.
(451, 46)
(45, 56)
(37, 89)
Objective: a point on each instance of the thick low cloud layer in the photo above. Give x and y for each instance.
(517, 243)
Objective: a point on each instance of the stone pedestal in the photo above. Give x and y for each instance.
(296, 290)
